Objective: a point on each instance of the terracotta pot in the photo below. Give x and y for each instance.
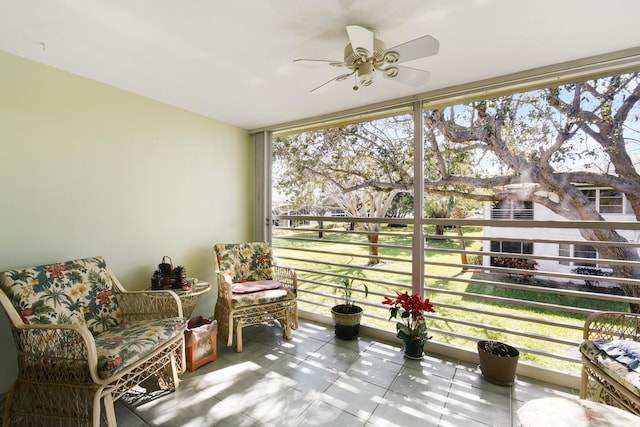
(499, 370)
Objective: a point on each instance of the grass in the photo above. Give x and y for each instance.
(454, 298)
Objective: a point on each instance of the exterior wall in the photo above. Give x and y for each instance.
(542, 214)
(92, 170)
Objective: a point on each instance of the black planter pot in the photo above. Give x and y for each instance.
(346, 320)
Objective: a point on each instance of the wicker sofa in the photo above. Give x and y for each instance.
(604, 378)
(83, 341)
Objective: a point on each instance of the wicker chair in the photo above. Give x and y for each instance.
(604, 379)
(252, 290)
(83, 341)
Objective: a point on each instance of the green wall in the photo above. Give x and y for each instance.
(87, 169)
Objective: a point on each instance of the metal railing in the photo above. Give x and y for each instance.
(541, 311)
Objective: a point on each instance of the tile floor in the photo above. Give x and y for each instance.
(317, 380)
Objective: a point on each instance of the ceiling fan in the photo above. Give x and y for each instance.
(366, 54)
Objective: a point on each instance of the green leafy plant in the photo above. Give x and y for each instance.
(497, 348)
(348, 284)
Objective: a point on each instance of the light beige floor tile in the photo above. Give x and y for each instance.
(371, 368)
(323, 414)
(527, 389)
(435, 366)
(336, 357)
(399, 410)
(480, 404)
(312, 377)
(354, 395)
(422, 385)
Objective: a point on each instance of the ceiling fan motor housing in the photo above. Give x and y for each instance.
(364, 62)
(351, 57)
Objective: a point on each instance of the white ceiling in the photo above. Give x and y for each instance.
(233, 60)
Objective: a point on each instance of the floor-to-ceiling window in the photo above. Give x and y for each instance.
(355, 181)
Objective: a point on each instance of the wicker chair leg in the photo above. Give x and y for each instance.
(109, 411)
(230, 331)
(168, 376)
(286, 325)
(583, 384)
(239, 336)
(293, 311)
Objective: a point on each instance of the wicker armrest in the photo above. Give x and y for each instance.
(139, 305)
(612, 326)
(224, 287)
(286, 275)
(71, 347)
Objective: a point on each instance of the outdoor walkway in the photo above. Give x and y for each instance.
(317, 380)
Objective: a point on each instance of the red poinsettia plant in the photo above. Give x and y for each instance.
(411, 309)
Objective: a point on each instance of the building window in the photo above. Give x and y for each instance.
(510, 247)
(607, 200)
(512, 209)
(585, 251)
(610, 201)
(564, 250)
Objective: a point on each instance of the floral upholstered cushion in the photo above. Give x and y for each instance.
(77, 292)
(621, 373)
(262, 297)
(245, 262)
(129, 342)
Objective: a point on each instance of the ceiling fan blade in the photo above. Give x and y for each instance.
(330, 83)
(330, 62)
(414, 49)
(360, 38)
(406, 75)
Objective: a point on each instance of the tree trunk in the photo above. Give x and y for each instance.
(618, 253)
(439, 230)
(463, 254)
(320, 225)
(373, 249)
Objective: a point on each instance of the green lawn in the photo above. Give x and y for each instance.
(453, 310)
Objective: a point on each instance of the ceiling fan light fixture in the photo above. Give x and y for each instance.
(365, 73)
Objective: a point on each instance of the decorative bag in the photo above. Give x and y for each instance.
(201, 342)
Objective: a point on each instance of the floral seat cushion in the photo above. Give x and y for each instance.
(78, 292)
(245, 262)
(129, 342)
(258, 285)
(629, 378)
(262, 297)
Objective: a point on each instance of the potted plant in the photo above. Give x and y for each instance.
(346, 317)
(498, 361)
(413, 327)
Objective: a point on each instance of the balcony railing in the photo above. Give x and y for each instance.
(541, 311)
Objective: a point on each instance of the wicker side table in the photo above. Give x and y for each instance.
(190, 298)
